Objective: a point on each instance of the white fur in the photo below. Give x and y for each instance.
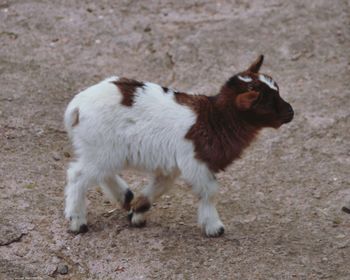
(149, 135)
(268, 81)
(245, 78)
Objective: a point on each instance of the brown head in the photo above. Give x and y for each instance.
(256, 98)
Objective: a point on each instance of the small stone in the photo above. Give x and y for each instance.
(296, 56)
(336, 222)
(39, 131)
(62, 269)
(147, 29)
(343, 245)
(67, 154)
(317, 195)
(30, 186)
(56, 156)
(120, 269)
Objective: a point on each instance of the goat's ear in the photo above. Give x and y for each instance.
(255, 67)
(245, 100)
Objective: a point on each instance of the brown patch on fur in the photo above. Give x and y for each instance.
(218, 135)
(228, 122)
(128, 88)
(75, 117)
(141, 204)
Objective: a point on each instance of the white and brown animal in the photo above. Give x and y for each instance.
(121, 123)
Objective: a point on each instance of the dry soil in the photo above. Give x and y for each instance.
(281, 203)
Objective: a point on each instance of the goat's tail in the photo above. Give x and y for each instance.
(71, 118)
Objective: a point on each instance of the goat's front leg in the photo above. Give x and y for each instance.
(158, 185)
(208, 217)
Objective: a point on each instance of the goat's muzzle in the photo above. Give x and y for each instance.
(288, 116)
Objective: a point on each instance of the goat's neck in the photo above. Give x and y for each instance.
(227, 120)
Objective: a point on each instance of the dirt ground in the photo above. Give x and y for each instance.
(281, 203)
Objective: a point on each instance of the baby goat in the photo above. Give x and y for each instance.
(121, 123)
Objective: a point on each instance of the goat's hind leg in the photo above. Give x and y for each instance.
(158, 185)
(117, 190)
(75, 196)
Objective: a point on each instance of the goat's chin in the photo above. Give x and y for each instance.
(281, 122)
(277, 125)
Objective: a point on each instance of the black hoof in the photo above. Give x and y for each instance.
(83, 229)
(218, 233)
(346, 210)
(221, 231)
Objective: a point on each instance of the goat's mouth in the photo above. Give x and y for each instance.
(287, 118)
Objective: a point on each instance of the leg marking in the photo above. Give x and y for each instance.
(141, 204)
(117, 190)
(128, 197)
(136, 215)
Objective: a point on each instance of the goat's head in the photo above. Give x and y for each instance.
(257, 99)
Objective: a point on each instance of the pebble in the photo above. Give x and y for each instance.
(62, 269)
(39, 131)
(56, 156)
(67, 154)
(296, 56)
(317, 195)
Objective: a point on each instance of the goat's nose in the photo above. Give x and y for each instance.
(288, 114)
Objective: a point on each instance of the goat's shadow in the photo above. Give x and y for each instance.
(166, 232)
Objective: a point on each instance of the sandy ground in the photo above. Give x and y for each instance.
(281, 203)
